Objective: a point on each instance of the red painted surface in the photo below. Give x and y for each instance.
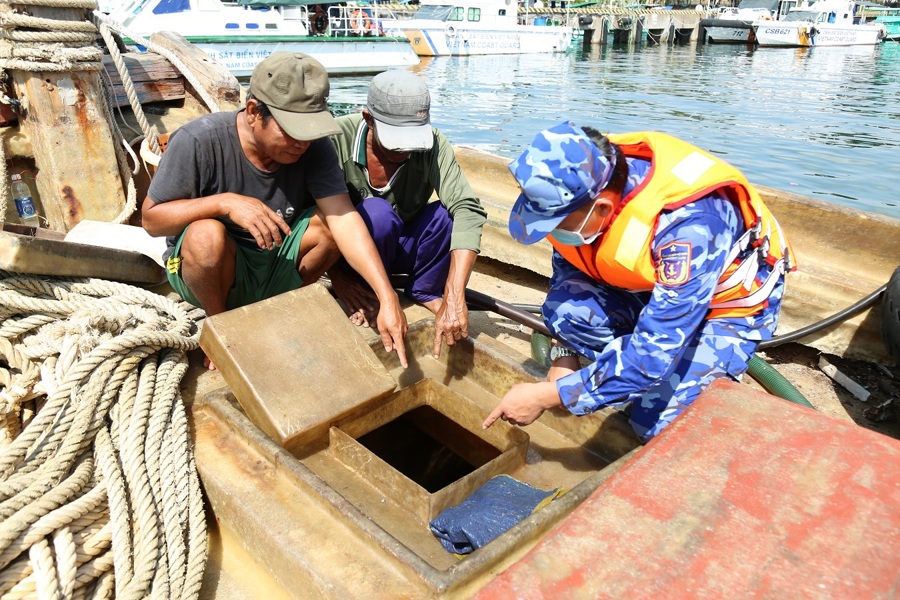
(744, 496)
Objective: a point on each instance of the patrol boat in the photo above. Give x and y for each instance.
(442, 28)
(345, 38)
(824, 23)
(734, 24)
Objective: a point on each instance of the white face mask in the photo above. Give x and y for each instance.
(575, 238)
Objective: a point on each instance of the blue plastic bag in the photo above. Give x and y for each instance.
(489, 511)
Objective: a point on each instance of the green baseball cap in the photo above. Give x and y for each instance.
(295, 88)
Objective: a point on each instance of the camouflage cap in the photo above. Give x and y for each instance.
(561, 171)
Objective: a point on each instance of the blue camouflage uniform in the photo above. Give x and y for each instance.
(657, 349)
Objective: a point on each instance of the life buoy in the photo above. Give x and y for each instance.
(318, 22)
(360, 22)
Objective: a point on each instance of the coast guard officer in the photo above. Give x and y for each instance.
(668, 270)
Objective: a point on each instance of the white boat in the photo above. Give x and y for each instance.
(442, 28)
(734, 24)
(345, 39)
(824, 23)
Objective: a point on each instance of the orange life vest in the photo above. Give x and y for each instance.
(681, 173)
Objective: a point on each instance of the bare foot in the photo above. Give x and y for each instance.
(360, 300)
(208, 363)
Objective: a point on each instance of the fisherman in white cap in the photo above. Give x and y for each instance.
(254, 203)
(393, 161)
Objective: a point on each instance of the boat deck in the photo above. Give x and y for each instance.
(795, 491)
(305, 510)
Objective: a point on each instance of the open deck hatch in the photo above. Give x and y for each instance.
(425, 450)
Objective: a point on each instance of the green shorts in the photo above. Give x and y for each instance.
(258, 274)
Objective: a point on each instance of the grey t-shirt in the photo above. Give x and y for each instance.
(204, 157)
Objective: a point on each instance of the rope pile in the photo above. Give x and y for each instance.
(32, 43)
(99, 493)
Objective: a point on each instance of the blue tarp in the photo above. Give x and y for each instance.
(489, 511)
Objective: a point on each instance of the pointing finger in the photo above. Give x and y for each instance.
(492, 417)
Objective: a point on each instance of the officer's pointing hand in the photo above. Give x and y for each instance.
(524, 403)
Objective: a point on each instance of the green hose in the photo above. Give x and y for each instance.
(774, 382)
(540, 348)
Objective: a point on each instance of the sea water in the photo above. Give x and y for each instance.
(822, 122)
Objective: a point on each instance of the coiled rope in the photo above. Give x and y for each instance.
(99, 493)
(31, 43)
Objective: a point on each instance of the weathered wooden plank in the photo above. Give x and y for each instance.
(142, 66)
(67, 122)
(215, 78)
(153, 77)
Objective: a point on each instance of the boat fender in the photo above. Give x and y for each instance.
(890, 316)
(360, 22)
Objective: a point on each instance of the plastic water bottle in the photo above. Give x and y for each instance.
(24, 202)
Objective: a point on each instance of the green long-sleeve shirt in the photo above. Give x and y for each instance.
(411, 187)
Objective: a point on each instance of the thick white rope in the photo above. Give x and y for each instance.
(98, 492)
(58, 45)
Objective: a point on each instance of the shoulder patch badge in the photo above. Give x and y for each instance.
(674, 263)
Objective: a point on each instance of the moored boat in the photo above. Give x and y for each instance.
(443, 28)
(889, 18)
(824, 23)
(734, 24)
(344, 38)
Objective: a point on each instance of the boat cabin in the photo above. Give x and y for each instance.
(483, 12)
(213, 18)
(834, 12)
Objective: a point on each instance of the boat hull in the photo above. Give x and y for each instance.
(239, 39)
(729, 35)
(805, 34)
(440, 39)
(337, 55)
(891, 28)
(824, 284)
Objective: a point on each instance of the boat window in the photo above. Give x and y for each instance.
(166, 7)
(232, 26)
(474, 14)
(252, 25)
(437, 12)
(456, 14)
(502, 12)
(271, 25)
(801, 15)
